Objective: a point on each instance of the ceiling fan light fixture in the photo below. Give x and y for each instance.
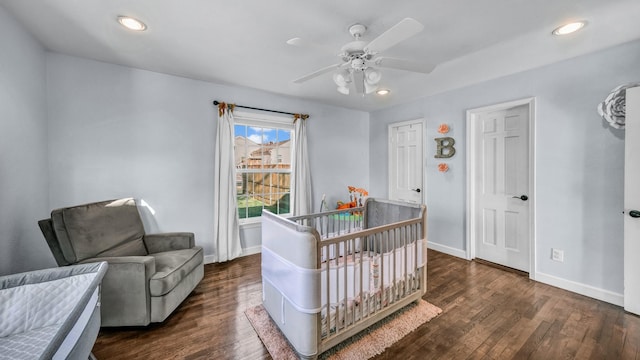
(369, 88)
(569, 28)
(343, 90)
(372, 76)
(132, 23)
(383, 92)
(342, 78)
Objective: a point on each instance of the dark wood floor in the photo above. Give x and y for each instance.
(488, 313)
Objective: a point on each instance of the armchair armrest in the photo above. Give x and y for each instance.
(125, 296)
(156, 243)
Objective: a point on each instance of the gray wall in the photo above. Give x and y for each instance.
(23, 150)
(116, 131)
(579, 162)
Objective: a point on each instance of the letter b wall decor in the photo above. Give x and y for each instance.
(445, 147)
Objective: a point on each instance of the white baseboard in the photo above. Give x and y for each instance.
(576, 287)
(209, 259)
(252, 250)
(582, 289)
(447, 250)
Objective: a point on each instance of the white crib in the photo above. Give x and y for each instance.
(328, 276)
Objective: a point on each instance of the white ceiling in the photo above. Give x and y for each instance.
(243, 42)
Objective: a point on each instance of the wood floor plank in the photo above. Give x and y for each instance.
(489, 314)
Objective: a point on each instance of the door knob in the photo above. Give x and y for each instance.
(634, 213)
(416, 190)
(523, 198)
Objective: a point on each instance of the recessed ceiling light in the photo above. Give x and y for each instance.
(383, 92)
(132, 23)
(569, 28)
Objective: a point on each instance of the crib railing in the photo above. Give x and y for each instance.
(365, 272)
(334, 222)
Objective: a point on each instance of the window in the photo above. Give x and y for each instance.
(263, 155)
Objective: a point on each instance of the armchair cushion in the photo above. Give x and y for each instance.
(172, 267)
(107, 228)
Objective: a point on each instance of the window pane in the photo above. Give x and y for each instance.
(284, 135)
(261, 154)
(240, 130)
(281, 205)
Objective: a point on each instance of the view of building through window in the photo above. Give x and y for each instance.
(263, 169)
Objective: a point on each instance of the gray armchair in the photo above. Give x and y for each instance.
(149, 275)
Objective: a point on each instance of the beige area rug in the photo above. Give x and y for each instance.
(365, 345)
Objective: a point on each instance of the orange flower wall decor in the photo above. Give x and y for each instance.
(443, 128)
(442, 167)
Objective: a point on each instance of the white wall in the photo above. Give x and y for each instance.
(74, 130)
(116, 131)
(579, 165)
(23, 150)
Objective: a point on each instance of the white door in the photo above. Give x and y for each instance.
(501, 187)
(406, 157)
(632, 202)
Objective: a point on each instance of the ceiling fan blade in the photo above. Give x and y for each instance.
(358, 81)
(296, 41)
(317, 73)
(402, 64)
(308, 44)
(396, 34)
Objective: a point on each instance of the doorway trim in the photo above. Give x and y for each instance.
(472, 138)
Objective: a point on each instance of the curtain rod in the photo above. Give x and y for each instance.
(303, 116)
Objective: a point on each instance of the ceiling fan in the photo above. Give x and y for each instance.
(361, 59)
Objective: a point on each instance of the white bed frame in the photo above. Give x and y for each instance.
(310, 262)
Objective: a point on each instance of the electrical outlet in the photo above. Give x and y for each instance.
(557, 255)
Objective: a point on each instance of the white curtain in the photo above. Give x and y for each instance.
(226, 222)
(302, 178)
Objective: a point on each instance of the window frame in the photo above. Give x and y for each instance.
(266, 121)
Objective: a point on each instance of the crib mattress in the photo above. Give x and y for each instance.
(50, 314)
